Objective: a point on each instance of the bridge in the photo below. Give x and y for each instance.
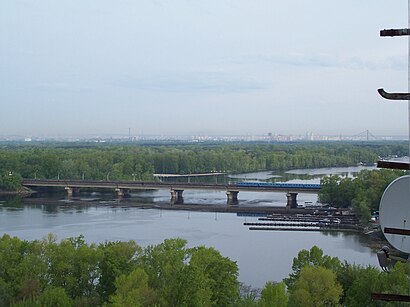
(122, 188)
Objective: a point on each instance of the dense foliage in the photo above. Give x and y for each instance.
(10, 181)
(129, 162)
(74, 273)
(362, 193)
(321, 280)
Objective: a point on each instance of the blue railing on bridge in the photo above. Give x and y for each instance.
(305, 186)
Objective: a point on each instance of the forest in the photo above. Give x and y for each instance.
(139, 162)
(74, 273)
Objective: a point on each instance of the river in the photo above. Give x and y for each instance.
(261, 255)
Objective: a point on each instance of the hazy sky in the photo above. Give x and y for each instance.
(79, 67)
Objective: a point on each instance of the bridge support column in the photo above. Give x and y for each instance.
(122, 192)
(176, 196)
(69, 191)
(232, 197)
(292, 202)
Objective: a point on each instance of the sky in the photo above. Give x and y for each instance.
(190, 67)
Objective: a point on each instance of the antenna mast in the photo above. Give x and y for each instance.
(399, 96)
(401, 194)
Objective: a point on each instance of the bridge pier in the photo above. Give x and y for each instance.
(232, 197)
(176, 196)
(69, 191)
(292, 202)
(122, 192)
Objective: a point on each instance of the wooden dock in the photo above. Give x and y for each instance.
(303, 229)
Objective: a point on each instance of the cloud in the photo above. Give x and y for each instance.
(397, 63)
(192, 82)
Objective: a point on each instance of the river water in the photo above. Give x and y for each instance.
(261, 255)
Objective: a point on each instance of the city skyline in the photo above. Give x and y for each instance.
(201, 68)
(269, 137)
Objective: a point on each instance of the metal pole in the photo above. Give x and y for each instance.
(408, 71)
(408, 103)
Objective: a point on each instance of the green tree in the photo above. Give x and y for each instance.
(116, 258)
(312, 257)
(370, 280)
(315, 287)
(359, 292)
(194, 287)
(348, 273)
(274, 294)
(164, 265)
(10, 182)
(54, 297)
(221, 272)
(336, 191)
(248, 296)
(190, 277)
(362, 210)
(133, 290)
(22, 273)
(73, 266)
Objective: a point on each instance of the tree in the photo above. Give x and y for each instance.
(133, 290)
(194, 287)
(370, 280)
(248, 296)
(348, 273)
(54, 297)
(221, 272)
(274, 294)
(190, 277)
(359, 292)
(313, 257)
(315, 287)
(336, 191)
(10, 182)
(164, 265)
(362, 210)
(22, 273)
(73, 266)
(116, 258)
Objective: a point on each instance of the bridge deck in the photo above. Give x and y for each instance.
(138, 185)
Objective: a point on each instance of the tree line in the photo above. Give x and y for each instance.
(362, 193)
(137, 162)
(74, 273)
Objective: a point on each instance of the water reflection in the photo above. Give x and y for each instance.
(12, 203)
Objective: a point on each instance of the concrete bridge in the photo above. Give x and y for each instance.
(122, 188)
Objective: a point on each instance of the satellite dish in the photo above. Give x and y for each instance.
(394, 213)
